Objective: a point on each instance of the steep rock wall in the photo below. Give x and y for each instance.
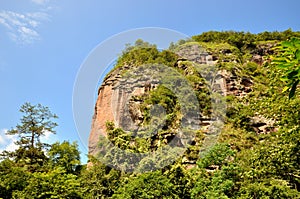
(114, 102)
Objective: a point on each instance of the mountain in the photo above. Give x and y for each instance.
(214, 116)
(223, 65)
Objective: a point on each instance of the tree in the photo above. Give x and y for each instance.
(99, 180)
(146, 185)
(288, 60)
(216, 173)
(36, 121)
(52, 184)
(12, 178)
(65, 155)
(267, 188)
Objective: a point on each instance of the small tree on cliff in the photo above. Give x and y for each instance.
(35, 122)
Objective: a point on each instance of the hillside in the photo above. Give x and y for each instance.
(253, 151)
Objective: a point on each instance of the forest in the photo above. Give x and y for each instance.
(246, 162)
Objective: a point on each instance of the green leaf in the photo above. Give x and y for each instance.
(279, 60)
(286, 44)
(297, 54)
(284, 65)
(284, 79)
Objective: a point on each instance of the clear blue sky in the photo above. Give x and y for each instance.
(44, 42)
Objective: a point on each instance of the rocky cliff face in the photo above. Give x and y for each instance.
(119, 98)
(103, 111)
(118, 102)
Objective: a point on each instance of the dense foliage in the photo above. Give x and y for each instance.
(245, 163)
(36, 169)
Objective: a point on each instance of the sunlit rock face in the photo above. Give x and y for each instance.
(119, 97)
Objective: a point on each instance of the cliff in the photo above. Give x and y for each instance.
(122, 100)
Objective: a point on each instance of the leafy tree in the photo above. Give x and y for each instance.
(12, 178)
(218, 155)
(242, 40)
(52, 184)
(181, 179)
(145, 53)
(99, 180)
(219, 180)
(146, 185)
(140, 53)
(36, 121)
(269, 189)
(65, 155)
(216, 185)
(278, 157)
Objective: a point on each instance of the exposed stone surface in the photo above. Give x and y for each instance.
(264, 49)
(119, 98)
(103, 112)
(258, 59)
(262, 125)
(118, 101)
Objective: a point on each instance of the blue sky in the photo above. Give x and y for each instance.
(44, 42)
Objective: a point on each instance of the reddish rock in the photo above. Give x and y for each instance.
(103, 113)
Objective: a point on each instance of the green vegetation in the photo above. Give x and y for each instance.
(244, 41)
(288, 61)
(36, 169)
(256, 156)
(35, 122)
